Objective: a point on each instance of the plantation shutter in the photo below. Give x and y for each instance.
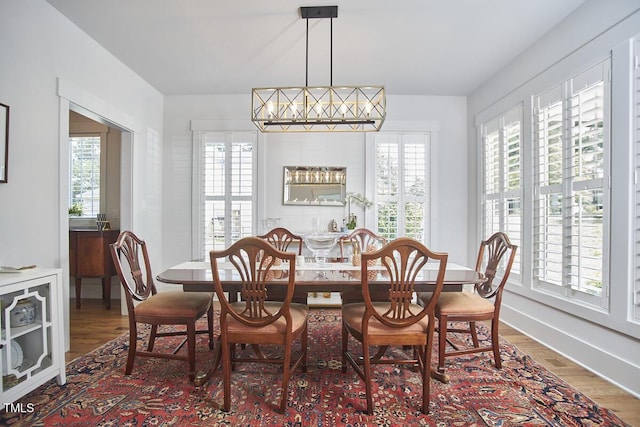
(587, 169)
(548, 188)
(512, 172)
(491, 153)
(402, 184)
(570, 195)
(502, 162)
(228, 163)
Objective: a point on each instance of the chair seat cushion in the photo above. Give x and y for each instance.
(352, 316)
(459, 303)
(298, 312)
(175, 304)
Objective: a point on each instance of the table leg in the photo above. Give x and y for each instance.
(106, 291)
(440, 376)
(78, 292)
(203, 378)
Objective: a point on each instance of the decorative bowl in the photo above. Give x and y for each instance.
(24, 313)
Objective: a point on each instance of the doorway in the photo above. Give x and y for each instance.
(94, 207)
(117, 191)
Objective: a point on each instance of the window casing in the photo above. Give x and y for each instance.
(502, 179)
(227, 182)
(571, 148)
(402, 184)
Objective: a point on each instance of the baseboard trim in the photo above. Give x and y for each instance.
(604, 364)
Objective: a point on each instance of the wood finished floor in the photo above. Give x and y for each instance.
(93, 325)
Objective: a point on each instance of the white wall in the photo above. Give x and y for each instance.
(446, 116)
(605, 341)
(43, 54)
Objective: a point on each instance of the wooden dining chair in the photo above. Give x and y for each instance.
(397, 321)
(146, 305)
(363, 239)
(255, 320)
(495, 257)
(281, 239)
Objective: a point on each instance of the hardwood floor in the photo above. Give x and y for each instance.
(93, 325)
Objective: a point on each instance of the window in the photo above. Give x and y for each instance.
(502, 183)
(571, 176)
(228, 181)
(401, 184)
(84, 176)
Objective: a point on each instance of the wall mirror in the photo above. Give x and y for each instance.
(315, 185)
(4, 141)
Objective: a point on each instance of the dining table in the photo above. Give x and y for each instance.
(196, 276)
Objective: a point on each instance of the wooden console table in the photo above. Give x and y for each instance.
(89, 256)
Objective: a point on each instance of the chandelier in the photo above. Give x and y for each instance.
(318, 108)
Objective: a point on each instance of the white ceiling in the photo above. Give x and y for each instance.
(412, 47)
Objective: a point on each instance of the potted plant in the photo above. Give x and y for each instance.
(75, 210)
(359, 199)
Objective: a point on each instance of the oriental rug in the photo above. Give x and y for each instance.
(158, 392)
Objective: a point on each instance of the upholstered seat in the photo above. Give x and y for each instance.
(458, 303)
(170, 304)
(354, 313)
(298, 320)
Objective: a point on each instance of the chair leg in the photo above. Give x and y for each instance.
(426, 370)
(345, 340)
(286, 375)
(303, 342)
(367, 376)
(495, 343)
(133, 341)
(226, 368)
(442, 342)
(426, 377)
(210, 326)
(152, 337)
(474, 334)
(191, 349)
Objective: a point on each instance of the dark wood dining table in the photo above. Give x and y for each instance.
(195, 276)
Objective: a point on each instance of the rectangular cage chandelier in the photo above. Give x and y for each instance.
(318, 108)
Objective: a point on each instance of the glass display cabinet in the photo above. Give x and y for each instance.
(31, 330)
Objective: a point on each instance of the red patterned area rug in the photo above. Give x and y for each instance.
(158, 392)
